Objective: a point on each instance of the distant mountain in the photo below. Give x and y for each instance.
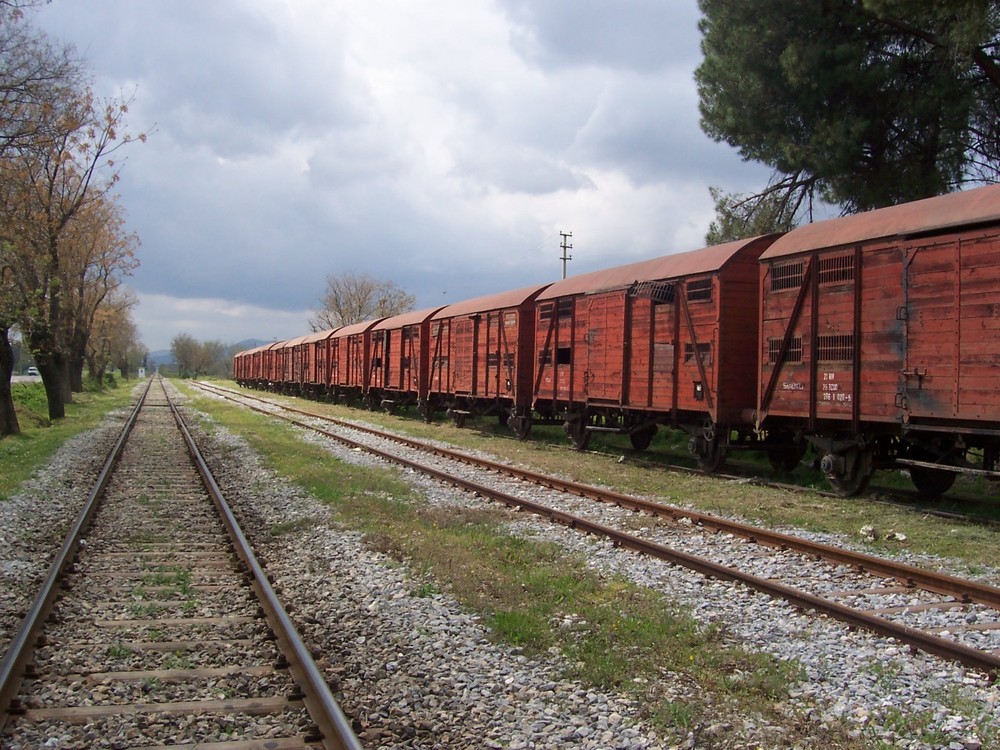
(161, 357)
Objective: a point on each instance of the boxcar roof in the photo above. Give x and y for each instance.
(706, 260)
(953, 210)
(499, 301)
(292, 342)
(319, 336)
(355, 328)
(406, 319)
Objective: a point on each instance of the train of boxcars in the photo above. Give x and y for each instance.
(873, 338)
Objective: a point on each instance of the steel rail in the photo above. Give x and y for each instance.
(970, 657)
(22, 646)
(910, 575)
(317, 696)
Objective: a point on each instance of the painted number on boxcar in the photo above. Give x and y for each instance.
(833, 391)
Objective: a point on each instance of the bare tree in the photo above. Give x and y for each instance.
(353, 298)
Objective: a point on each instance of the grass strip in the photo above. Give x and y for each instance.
(21, 455)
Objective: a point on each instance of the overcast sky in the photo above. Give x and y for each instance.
(442, 145)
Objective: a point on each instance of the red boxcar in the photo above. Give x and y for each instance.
(272, 365)
(248, 367)
(880, 339)
(292, 354)
(241, 366)
(398, 361)
(314, 351)
(349, 359)
(481, 356)
(670, 340)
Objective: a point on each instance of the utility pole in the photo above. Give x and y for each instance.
(565, 236)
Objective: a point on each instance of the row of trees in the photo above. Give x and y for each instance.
(195, 358)
(858, 103)
(64, 248)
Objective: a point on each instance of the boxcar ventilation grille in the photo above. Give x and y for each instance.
(788, 276)
(699, 290)
(838, 347)
(836, 270)
(661, 292)
(794, 353)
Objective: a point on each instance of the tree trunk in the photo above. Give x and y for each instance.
(8, 417)
(76, 359)
(76, 374)
(64, 379)
(92, 369)
(54, 372)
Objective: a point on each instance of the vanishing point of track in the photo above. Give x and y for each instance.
(885, 578)
(156, 624)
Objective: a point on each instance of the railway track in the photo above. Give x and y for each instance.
(951, 617)
(156, 625)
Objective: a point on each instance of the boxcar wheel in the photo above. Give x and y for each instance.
(642, 437)
(577, 432)
(520, 424)
(848, 474)
(931, 483)
(711, 456)
(849, 486)
(426, 411)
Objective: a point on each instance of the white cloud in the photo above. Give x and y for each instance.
(161, 317)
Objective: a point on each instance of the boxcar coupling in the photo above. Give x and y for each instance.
(874, 339)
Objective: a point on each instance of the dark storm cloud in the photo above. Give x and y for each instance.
(647, 36)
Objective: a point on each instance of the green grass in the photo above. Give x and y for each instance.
(534, 595)
(21, 455)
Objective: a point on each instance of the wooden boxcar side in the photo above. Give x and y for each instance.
(481, 358)
(293, 357)
(316, 357)
(241, 366)
(627, 348)
(879, 338)
(272, 365)
(348, 361)
(398, 360)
